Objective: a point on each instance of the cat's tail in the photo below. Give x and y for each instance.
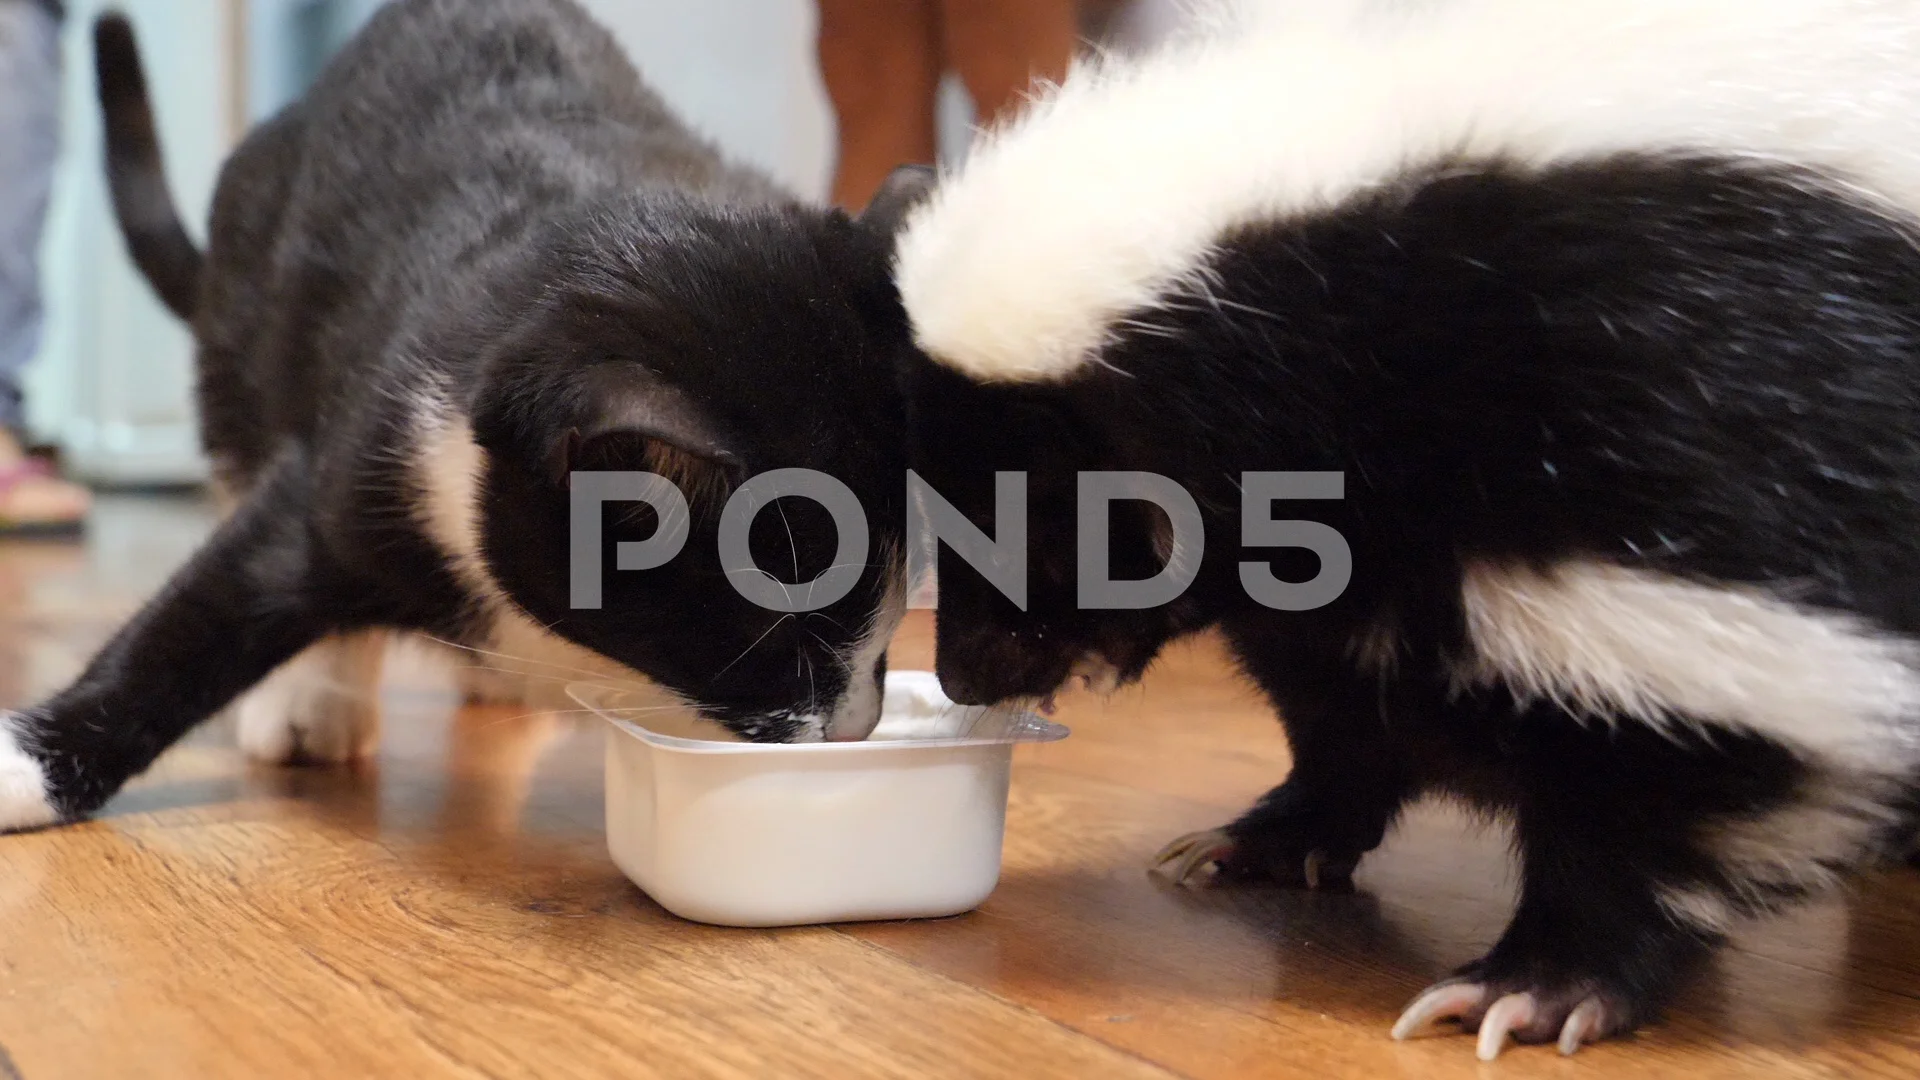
(142, 201)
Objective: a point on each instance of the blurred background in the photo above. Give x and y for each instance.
(111, 385)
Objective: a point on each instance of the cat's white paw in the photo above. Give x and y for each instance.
(281, 723)
(318, 707)
(23, 784)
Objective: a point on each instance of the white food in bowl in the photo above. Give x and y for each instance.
(907, 824)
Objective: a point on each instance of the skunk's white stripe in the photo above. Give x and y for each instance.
(1834, 823)
(1107, 196)
(1622, 644)
(1699, 907)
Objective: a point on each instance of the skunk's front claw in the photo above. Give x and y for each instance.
(1184, 860)
(1584, 1024)
(1188, 856)
(1447, 1001)
(1524, 1015)
(1510, 1013)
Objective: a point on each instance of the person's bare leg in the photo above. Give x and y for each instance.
(880, 60)
(1000, 47)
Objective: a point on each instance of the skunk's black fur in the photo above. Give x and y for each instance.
(1685, 369)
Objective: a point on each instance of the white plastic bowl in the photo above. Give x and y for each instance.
(906, 825)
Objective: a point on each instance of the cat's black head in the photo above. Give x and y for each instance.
(709, 345)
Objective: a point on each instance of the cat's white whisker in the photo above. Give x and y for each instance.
(755, 645)
(598, 675)
(831, 651)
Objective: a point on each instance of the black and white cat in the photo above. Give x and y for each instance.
(1608, 315)
(477, 256)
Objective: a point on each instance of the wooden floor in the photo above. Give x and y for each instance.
(450, 911)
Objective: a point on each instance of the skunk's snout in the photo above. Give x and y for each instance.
(987, 669)
(965, 688)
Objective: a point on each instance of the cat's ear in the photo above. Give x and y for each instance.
(905, 188)
(630, 420)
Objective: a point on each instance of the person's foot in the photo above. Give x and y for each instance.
(33, 499)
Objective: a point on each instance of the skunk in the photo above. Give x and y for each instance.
(1602, 321)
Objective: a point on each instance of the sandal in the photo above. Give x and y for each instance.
(56, 513)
